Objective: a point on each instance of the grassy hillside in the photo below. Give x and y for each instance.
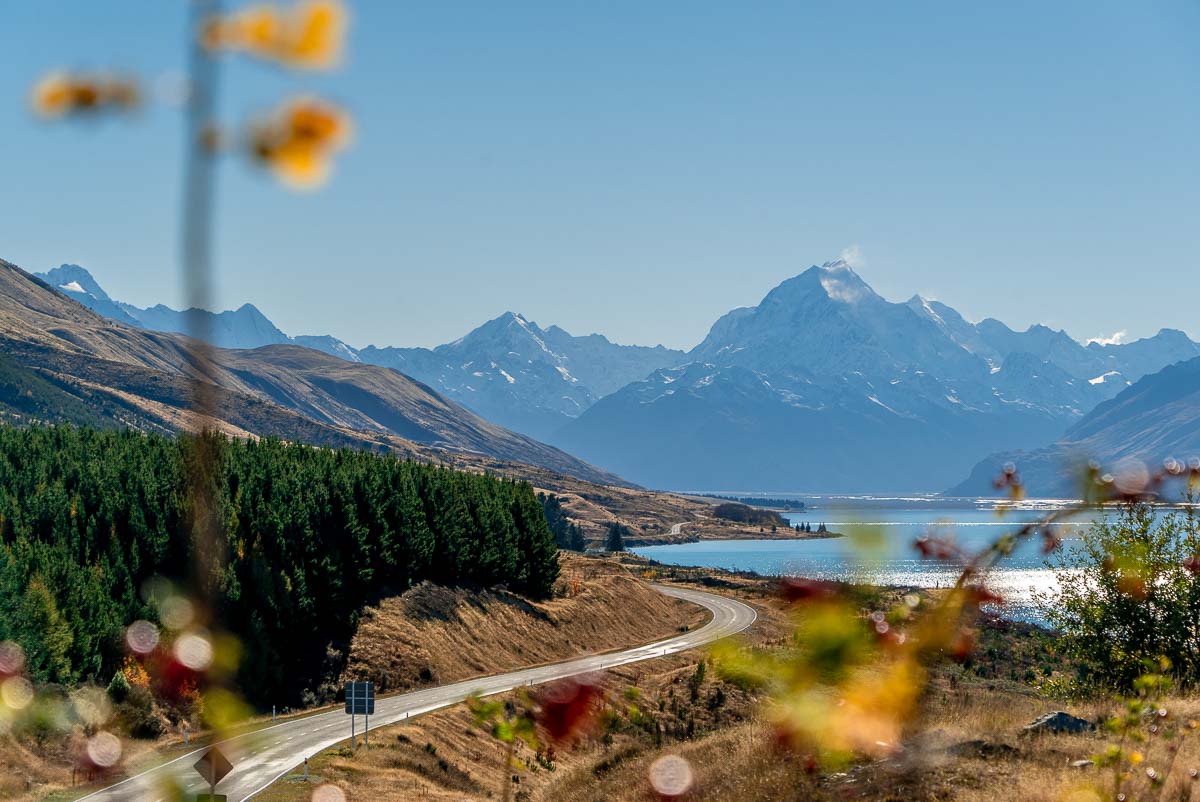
(437, 635)
(968, 745)
(283, 391)
(27, 396)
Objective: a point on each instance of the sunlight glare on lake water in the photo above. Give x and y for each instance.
(974, 524)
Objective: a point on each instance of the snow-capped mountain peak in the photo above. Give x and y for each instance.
(74, 279)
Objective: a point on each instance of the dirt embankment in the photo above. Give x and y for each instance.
(434, 635)
(648, 708)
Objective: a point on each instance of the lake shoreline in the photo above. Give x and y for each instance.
(682, 539)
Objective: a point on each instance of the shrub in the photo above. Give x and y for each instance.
(1129, 597)
(138, 715)
(119, 688)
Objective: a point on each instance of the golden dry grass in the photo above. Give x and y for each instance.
(445, 756)
(968, 747)
(435, 635)
(428, 636)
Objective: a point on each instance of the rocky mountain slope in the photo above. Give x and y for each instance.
(533, 380)
(1156, 418)
(244, 327)
(826, 385)
(282, 390)
(509, 370)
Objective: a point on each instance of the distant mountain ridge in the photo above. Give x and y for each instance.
(244, 327)
(534, 380)
(509, 370)
(823, 385)
(80, 366)
(1155, 419)
(1096, 363)
(827, 386)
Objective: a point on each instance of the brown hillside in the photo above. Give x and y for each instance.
(286, 391)
(432, 635)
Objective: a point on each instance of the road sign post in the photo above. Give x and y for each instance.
(360, 700)
(214, 767)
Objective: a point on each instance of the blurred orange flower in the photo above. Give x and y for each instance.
(309, 35)
(60, 93)
(298, 142)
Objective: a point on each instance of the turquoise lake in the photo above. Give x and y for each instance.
(973, 522)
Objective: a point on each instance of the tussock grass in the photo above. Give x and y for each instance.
(434, 635)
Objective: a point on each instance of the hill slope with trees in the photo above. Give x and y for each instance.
(308, 537)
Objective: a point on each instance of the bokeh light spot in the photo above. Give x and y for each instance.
(141, 637)
(104, 749)
(91, 706)
(194, 651)
(176, 612)
(671, 776)
(12, 659)
(328, 793)
(16, 693)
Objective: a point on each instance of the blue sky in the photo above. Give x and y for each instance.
(638, 168)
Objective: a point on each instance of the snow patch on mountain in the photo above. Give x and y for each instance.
(811, 367)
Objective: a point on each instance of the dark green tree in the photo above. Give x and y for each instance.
(306, 538)
(567, 534)
(615, 541)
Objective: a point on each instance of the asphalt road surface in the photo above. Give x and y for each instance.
(263, 756)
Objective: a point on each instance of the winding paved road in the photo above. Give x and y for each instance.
(263, 756)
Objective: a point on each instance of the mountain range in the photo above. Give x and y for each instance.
(824, 385)
(1155, 419)
(508, 370)
(72, 358)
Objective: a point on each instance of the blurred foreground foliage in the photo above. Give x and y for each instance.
(854, 681)
(1129, 596)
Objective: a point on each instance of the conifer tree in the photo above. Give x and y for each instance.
(616, 536)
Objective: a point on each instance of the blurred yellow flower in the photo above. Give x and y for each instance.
(260, 28)
(309, 35)
(297, 144)
(223, 709)
(318, 32)
(60, 93)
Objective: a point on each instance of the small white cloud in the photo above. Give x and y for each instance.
(1115, 339)
(853, 256)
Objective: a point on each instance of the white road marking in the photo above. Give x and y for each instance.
(252, 776)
